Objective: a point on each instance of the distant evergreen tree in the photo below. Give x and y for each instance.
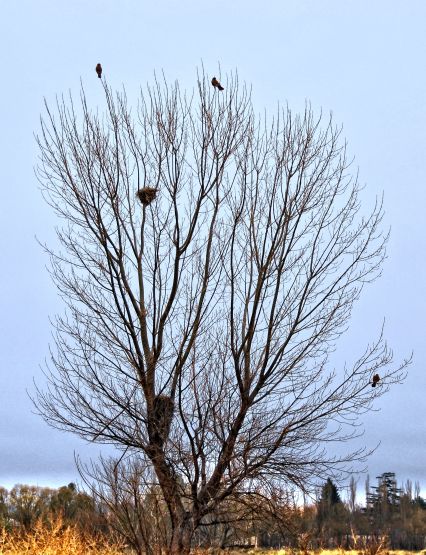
(386, 492)
(331, 513)
(329, 494)
(383, 502)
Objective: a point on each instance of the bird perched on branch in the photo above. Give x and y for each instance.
(376, 379)
(216, 84)
(98, 69)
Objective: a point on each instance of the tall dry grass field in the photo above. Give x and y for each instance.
(295, 551)
(55, 539)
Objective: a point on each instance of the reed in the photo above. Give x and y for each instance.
(54, 538)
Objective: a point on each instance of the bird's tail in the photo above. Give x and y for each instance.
(373, 385)
(99, 75)
(220, 87)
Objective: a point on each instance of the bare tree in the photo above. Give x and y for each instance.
(417, 489)
(209, 261)
(353, 483)
(367, 489)
(408, 489)
(132, 501)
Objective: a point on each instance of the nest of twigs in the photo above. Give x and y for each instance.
(147, 195)
(163, 414)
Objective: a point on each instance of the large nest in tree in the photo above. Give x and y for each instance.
(147, 195)
(162, 416)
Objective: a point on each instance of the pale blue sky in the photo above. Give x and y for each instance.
(362, 60)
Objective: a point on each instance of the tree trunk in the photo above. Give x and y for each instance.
(181, 536)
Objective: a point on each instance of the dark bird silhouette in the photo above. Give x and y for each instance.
(216, 84)
(99, 70)
(376, 379)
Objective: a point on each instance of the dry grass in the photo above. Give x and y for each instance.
(318, 552)
(55, 539)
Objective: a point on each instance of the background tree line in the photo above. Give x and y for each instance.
(24, 505)
(392, 512)
(270, 519)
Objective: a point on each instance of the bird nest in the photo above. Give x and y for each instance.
(147, 195)
(162, 416)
